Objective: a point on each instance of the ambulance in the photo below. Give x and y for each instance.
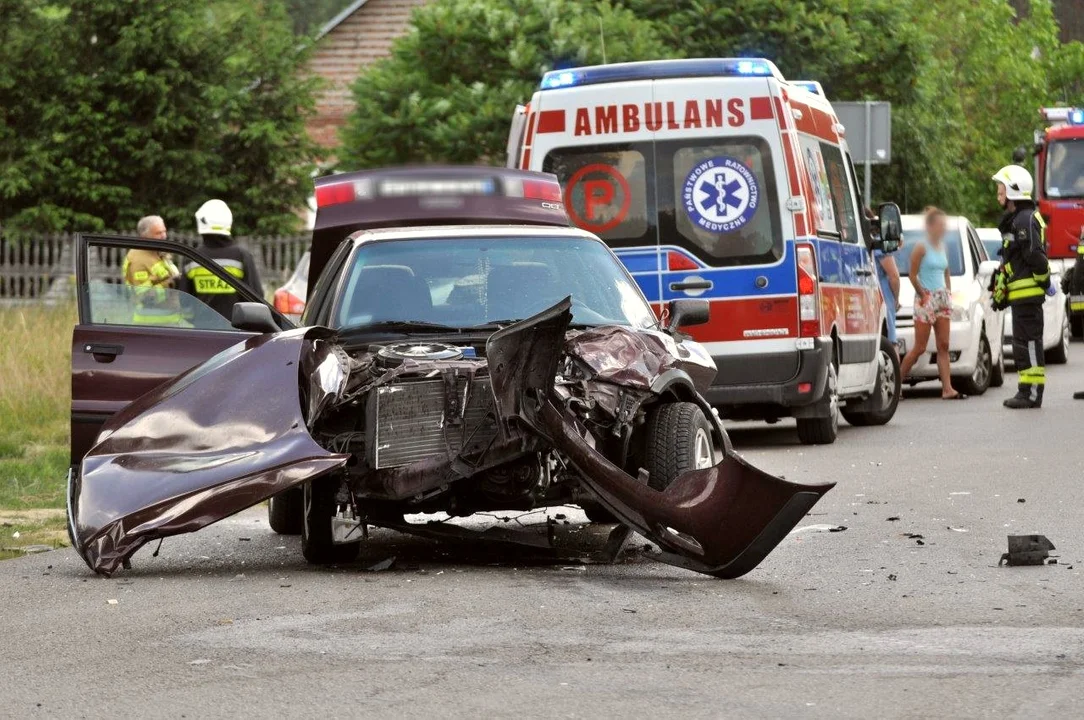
(719, 179)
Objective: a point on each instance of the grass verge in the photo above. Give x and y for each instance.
(35, 402)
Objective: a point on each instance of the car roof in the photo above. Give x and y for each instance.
(468, 231)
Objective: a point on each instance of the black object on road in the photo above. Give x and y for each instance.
(1027, 550)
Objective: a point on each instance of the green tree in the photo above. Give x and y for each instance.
(447, 91)
(115, 109)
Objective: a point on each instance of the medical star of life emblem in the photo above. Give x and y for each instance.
(721, 194)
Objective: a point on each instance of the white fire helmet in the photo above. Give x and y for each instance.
(214, 218)
(1017, 182)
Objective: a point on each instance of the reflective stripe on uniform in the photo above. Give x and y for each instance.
(1032, 376)
(207, 283)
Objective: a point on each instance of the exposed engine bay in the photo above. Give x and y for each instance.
(537, 414)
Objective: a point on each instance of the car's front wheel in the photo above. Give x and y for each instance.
(979, 381)
(678, 439)
(823, 428)
(320, 507)
(286, 511)
(1059, 354)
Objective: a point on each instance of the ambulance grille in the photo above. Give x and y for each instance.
(411, 423)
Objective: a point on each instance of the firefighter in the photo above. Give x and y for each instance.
(1022, 281)
(152, 275)
(214, 222)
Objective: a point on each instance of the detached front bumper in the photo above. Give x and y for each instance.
(806, 387)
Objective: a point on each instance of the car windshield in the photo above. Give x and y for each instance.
(1065, 169)
(953, 249)
(466, 282)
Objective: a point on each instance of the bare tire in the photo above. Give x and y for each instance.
(824, 429)
(979, 381)
(678, 439)
(888, 390)
(286, 511)
(1059, 354)
(319, 507)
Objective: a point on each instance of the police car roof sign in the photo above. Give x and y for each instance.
(429, 195)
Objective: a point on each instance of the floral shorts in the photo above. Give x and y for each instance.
(938, 305)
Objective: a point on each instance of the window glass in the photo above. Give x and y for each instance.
(840, 192)
(606, 190)
(1065, 169)
(464, 282)
(134, 286)
(953, 249)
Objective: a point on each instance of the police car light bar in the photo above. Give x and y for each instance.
(660, 70)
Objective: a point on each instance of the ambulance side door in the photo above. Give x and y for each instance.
(114, 359)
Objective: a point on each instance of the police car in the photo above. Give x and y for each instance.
(719, 179)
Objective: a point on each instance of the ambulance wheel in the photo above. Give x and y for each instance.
(888, 390)
(824, 428)
(319, 507)
(286, 511)
(678, 439)
(978, 382)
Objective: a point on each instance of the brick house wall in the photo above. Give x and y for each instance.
(360, 35)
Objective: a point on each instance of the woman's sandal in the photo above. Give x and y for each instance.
(957, 396)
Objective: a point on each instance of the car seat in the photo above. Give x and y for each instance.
(390, 292)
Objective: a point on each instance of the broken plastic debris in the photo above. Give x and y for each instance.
(894, 518)
(955, 529)
(1021, 500)
(382, 565)
(111, 601)
(818, 528)
(1027, 550)
(199, 661)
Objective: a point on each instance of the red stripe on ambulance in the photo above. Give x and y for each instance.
(551, 121)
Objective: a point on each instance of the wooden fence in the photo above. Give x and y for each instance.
(43, 267)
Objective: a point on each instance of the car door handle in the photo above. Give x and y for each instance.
(692, 285)
(103, 353)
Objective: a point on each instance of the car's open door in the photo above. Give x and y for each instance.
(120, 348)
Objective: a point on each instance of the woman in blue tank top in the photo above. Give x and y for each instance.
(933, 301)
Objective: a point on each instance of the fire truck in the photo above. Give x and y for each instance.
(1059, 193)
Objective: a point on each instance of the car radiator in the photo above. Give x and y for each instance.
(419, 420)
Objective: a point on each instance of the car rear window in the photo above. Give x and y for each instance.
(953, 249)
(715, 197)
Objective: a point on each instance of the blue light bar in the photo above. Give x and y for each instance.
(809, 85)
(1076, 117)
(660, 70)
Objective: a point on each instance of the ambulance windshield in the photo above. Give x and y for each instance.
(714, 197)
(1065, 169)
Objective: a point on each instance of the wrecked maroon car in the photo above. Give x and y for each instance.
(453, 369)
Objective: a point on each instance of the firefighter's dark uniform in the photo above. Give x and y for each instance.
(1025, 278)
(235, 260)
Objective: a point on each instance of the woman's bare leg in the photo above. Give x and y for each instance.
(922, 336)
(941, 337)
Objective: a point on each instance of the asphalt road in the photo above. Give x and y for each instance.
(866, 622)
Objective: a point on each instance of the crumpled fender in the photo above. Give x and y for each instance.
(222, 437)
(721, 521)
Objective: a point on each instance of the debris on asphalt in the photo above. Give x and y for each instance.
(913, 536)
(838, 528)
(891, 577)
(1021, 500)
(1027, 550)
(1052, 561)
(245, 539)
(628, 610)
(956, 529)
(894, 518)
(111, 601)
(385, 564)
(199, 661)
(818, 528)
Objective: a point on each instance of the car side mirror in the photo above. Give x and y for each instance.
(890, 223)
(987, 268)
(253, 317)
(686, 313)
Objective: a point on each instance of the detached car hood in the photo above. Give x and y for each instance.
(222, 437)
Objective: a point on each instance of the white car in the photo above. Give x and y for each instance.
(976, 352)
(1056, 332)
